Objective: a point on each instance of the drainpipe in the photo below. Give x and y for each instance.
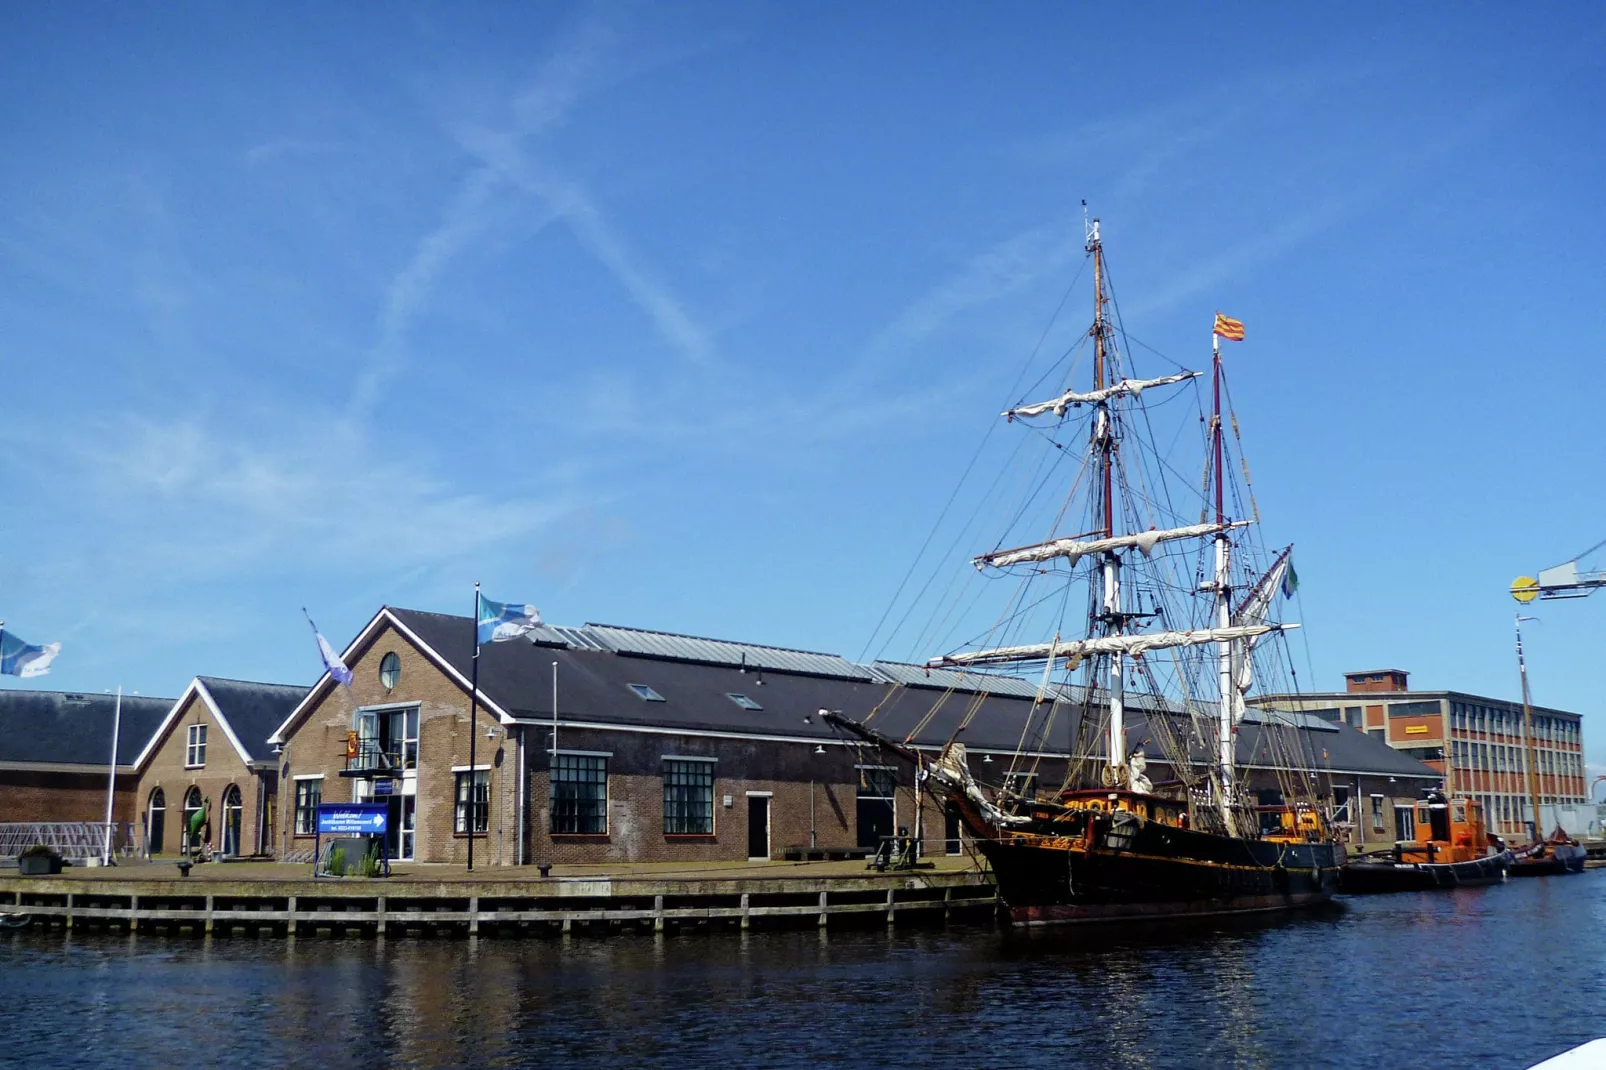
(523, 776)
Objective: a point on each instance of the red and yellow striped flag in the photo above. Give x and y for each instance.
(1230, 329)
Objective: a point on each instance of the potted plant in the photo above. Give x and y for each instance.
(38, 861)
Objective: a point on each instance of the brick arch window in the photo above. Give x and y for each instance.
(233, 812)
(192, 803)
(156, 822)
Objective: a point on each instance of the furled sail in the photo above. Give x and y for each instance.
(1253, 611)
(1125, 388)
(1076, 649)
(1073, 550)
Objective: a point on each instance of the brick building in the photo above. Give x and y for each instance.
(1474, 742)
(672, 748)
(211, 751)
(54, 752)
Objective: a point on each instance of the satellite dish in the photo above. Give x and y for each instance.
(1525, 589)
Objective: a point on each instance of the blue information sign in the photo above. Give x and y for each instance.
(353, 819)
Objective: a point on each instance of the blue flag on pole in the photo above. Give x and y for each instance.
(504, 620)
(1290, 580)
(21, 659)
(332, 661)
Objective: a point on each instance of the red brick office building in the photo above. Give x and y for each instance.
(1475, 743)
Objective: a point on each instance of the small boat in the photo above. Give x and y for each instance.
(1559, 854)
(13, 921)
(1451, 849)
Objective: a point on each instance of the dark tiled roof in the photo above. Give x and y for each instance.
(594, 686)
(253, 710)
(75, 729)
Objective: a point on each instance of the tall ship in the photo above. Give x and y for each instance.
(1145, 620)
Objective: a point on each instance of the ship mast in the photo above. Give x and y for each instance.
(1104, 447)
(1530, 752)
(1225, 773)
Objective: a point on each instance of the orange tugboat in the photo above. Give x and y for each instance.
(1451, 849)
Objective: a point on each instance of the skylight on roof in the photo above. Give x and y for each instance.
(743, 701)
(645, 693)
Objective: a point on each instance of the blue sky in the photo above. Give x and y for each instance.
(689, 317)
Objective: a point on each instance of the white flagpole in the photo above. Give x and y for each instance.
(111, 782)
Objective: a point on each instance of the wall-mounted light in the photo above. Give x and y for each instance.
(987, 759)
(819, 748)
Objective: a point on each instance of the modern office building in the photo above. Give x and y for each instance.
(1475, 742)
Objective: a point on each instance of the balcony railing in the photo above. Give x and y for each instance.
(372, 757)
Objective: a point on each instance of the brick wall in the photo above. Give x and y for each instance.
(45, 795)
(166, 769)
(317, 746)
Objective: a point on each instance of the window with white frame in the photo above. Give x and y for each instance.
(309, 793)
(473, 801)
(195, 747)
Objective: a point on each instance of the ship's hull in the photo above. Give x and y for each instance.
(1367, 878)
(1156, 872)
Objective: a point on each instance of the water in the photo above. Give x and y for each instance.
(1492, 977)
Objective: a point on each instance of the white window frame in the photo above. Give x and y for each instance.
(295, 804)
(195, 745)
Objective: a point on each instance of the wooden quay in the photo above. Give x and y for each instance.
(265, 899)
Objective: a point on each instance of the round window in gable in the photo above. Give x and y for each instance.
(389, 670)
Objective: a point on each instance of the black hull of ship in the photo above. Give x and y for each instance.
(1164, 873)
(1370, 878)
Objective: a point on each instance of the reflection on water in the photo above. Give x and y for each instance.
(1499, 977)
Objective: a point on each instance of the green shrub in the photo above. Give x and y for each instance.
(38, 850)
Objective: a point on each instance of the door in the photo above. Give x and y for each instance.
(758, 827)
(950, 829)
(156, 825)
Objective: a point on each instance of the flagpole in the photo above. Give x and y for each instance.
(474, 728)
(111, 785)
(474, 701)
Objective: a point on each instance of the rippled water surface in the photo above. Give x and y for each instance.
(1498, 977)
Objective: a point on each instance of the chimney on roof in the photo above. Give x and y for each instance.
(1376, 680)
